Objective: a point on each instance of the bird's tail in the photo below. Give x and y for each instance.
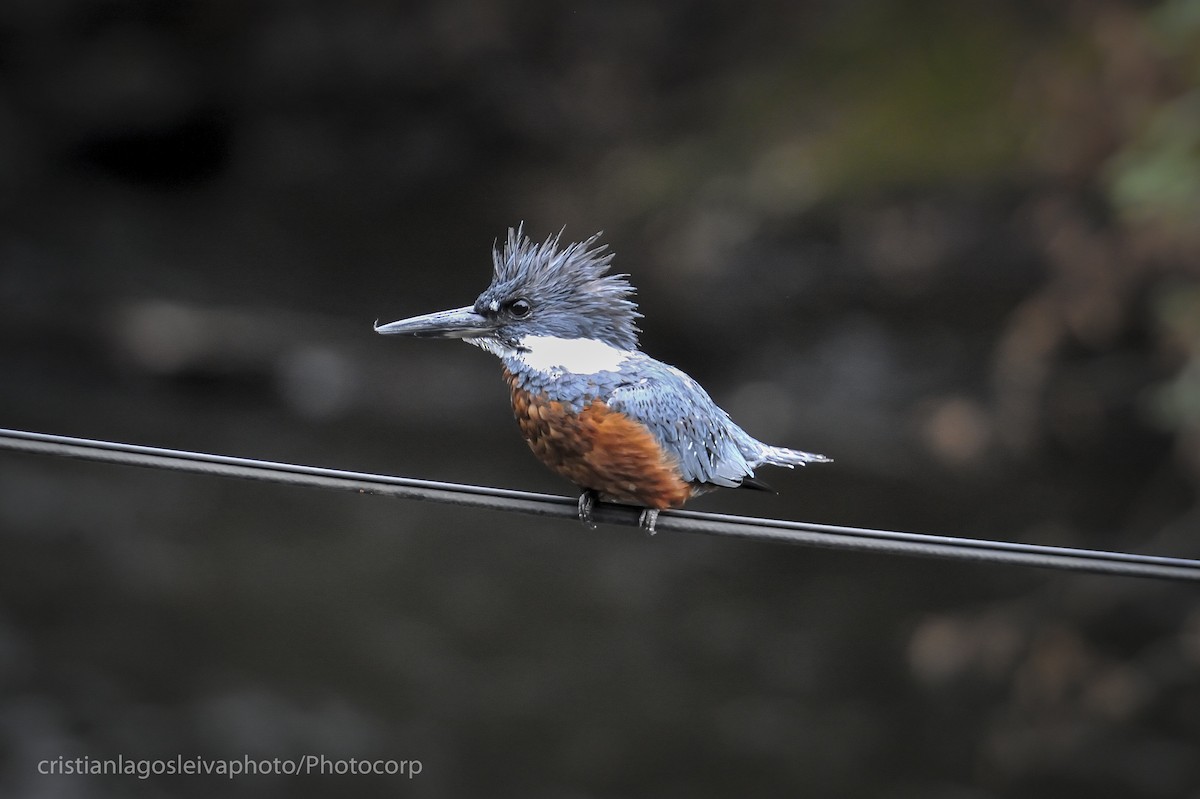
(782, 456)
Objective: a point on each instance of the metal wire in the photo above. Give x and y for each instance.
(821, 535)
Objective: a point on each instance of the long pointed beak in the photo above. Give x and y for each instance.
(457, 323)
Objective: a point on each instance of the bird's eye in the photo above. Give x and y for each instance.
(520, 308)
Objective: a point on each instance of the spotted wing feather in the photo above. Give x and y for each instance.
(701, 437)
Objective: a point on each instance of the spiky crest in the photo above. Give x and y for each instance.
(571, 294)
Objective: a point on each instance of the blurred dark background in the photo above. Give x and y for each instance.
(953, 245)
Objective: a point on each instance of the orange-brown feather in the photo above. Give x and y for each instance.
(599, 449)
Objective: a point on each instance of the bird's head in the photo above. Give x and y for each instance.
(539, 290)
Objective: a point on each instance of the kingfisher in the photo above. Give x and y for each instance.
(594, 408)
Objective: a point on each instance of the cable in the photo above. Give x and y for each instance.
(822, 535)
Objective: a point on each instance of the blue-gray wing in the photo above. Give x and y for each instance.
(709, 447)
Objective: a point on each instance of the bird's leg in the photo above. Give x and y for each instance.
(587, 500)
(647, 520)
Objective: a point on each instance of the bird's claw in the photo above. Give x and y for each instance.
(648, 519)
(587, 500)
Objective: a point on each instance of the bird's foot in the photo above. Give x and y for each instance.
(587, 501)
(648, 519)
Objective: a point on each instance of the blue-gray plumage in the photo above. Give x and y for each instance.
(574, 296)
(593, 407)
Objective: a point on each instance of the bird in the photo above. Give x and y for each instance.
(620, 425)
